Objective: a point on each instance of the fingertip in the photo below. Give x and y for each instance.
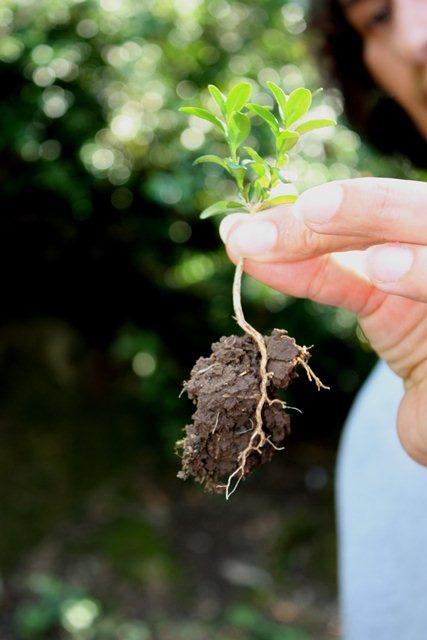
(233, 257)
(254, 239)
(388, 263)
(228, 223)
(318, 205)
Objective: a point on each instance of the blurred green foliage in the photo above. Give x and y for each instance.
(69, 613)
(112, 288)
(94, 147)
(107, 77)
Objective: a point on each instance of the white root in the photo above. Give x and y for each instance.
(258, 432)
(258, 438)
(302, 360)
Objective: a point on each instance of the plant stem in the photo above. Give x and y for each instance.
(238, 311)
(237, 298)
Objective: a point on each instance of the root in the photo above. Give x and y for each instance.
(309, 371)
(284, 404)
(275, 445)
(216, 423)
(258, 437)
(207, 368)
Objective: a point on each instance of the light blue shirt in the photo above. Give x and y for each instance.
(382, 520)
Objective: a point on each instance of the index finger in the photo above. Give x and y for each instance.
(278, 235)
(381, 209)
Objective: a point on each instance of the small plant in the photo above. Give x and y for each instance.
(239, 421)
(256, 177)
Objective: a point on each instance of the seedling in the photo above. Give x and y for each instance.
(240, 421)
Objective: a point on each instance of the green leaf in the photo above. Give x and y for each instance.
(222, 207)
(275, 177)
(204, 114)
(284, 178)
(211, 158)
(287, 140)
(238, 171)
(311, 125)
(316, 93)
(237, 98)
(274, 202)
(264, 183)
(218, 96)
(265, 114)
(259, 169)
(258, 165)
(256, 192)
(232, 165)
(281, 98)
(253, 154)
(252, 192)
(239, 129)
(282, 160)
(299, 102)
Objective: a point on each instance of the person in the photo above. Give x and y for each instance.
(380, 49)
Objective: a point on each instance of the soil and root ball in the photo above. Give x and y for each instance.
(239, 422)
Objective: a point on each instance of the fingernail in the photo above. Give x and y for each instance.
(252, 239)
(388, 264)
(319, 204)
(227, 223)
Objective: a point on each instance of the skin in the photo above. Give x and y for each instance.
(394, 34)
(296, 249)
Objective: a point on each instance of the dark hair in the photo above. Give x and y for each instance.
(375, 115)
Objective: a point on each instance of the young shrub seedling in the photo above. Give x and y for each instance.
(239, 421)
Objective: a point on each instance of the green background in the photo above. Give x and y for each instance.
(111, 289)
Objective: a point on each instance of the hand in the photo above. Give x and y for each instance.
(291, 249)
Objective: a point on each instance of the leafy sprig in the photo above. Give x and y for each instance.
(256, 177)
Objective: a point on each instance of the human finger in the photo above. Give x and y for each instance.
(399, 269)
(320, 279)
(411, 429)
(387, 210)
(278, 235)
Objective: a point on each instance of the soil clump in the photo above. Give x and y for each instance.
(225, 441)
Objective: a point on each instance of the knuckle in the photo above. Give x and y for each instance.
(310, 242)
(318, 282)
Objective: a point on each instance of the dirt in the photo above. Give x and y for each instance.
(225, 387)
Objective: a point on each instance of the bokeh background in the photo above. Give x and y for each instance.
(111, 288)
